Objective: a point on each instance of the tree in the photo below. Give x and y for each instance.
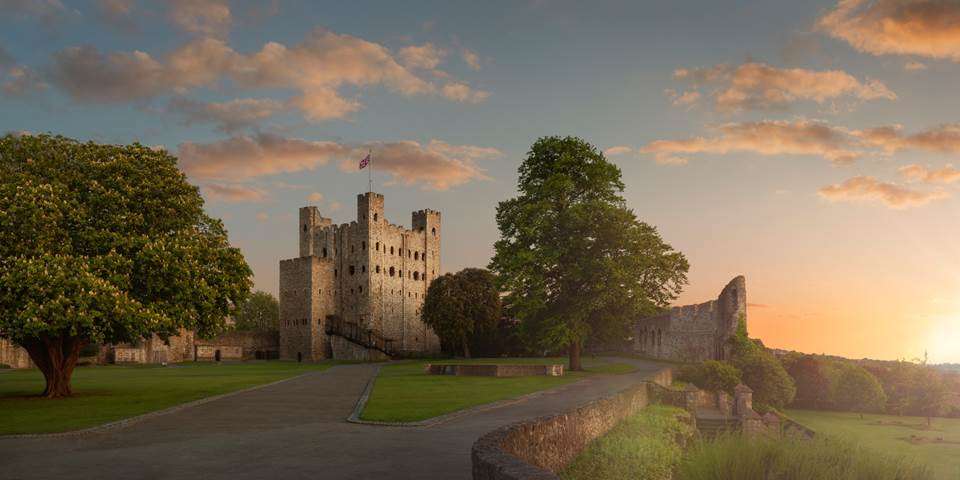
(859, 391)
(712, 375)
(813, 386)
(928, 393)
(573, 258)
(260, 312)
(761, 371)
(105, 244)
(461, 305)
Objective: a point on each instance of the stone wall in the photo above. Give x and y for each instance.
(693, 333)
(13, 355)
(537, 449)
(343, 349)
(239, 346)
(495, 370)
(368, 272)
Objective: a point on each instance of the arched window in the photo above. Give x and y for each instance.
(334, 273)
(409, 255)
(391, 250)
(324, 252)
(378, 268)
(416, 255)
(416, 275)
(374, 217)
(401, 273)
(363, 269)
(378, 246)
(363, 246)
(391, 271)
(434, 231)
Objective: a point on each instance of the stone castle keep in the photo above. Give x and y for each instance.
(358, 288)
(693, 333)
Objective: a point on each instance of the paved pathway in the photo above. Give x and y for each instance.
(292, 430)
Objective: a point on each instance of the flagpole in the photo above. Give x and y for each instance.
(370, 172)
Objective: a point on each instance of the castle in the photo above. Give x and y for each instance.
(694, 333)
(356, 291)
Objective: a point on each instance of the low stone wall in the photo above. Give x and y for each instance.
(250, 345)
(13, 355)
(343, 349)
(537, 449)
(495, 370)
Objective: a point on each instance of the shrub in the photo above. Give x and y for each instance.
(648, 445)
(4, 365)
(791, 458)
(711, 375)
(761, 371)
(857, 390)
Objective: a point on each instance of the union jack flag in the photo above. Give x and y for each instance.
(365, 162)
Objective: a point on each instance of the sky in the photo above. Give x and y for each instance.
(806, 145)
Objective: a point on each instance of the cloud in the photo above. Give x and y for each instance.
(759, 86)
(685, 99)
(913, 66)
(427, 56)
(928, 28)
(244, 156)
(211, 18)
(436, 165)
(229, 116)
(315, 197)
(869, 189)
(317, 69)
(617, 150)
(335, 206)
(234, 193)
(22, 81)
(914, 172)
(463, 93)
(117, 13)
(470, 58)
(941, 139)
(47, 11)
(768, 137)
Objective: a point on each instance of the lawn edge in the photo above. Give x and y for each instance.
(446, 417)
(125, 422)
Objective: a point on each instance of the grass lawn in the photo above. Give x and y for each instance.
(644, 446)
(404, 393)
(106, 393)
(943, 457)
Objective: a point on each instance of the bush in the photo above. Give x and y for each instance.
(857, 390)
(711, 375)
(791, 458)
(648, 445)
(4, 365)
(761, 371)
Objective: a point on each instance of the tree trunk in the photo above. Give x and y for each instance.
(575, 364)
(466, 349)
(56, 357)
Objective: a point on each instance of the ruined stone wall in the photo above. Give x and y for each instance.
(13, 355)
(693, 332)
(248, 343)
(378, 276)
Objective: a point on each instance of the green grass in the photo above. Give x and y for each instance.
(792, 458)
(643, 447)
(106, 393)
(404, 393)
(943, 457)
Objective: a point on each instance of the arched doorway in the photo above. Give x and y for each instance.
(216, 355)
(299, 357)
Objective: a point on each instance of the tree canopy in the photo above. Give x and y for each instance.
(857, 390)
(259, 312)
(106, 244)
(573, 258)
(461, 305)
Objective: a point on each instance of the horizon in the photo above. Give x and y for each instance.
(775, 140)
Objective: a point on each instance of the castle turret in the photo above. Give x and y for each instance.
(369, 208)
(428, 222)
(310, 220)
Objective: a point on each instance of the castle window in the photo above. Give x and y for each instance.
(351, 248)
(378, 268)
(374, 217)
(351, 291)
(363, 246)
(416, 275)
(434, 231)
(391, 250)
(363, 269)
(378, 246)
(320, 291)
(409, 255)
(416, 255)
(304, 227)
(334, 273)
(351, 269)
(361, 290)
(401, 273)
(391, 271)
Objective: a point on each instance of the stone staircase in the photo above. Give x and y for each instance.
(711, 423)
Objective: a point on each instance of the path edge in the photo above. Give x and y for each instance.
(126, 422)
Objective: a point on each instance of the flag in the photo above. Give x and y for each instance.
(365, 162)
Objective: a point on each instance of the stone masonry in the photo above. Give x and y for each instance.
(368, 272)
(694, 333)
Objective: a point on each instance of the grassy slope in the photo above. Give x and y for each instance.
(641, 447)
(107, 393)
(404, 393)
(944, 458)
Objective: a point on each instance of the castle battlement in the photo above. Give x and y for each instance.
(368, 272)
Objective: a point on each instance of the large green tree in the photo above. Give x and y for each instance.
(259, 312)
(461, 305)
(575, 261)
(857, 390)
(105, 244)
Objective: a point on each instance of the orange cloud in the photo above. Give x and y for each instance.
(929, 28)
(117, 13)
(915, 172)
(427, 56)
(436, 165)
(470, 58)
(768, 137)
(228, 116)
(942, 139)
(203, 17)
(234, 193)
(759, 86)
(865, 189)
(318, 68)
(617, 150)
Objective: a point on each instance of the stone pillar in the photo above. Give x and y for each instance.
(691, 396)
(743, 400)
